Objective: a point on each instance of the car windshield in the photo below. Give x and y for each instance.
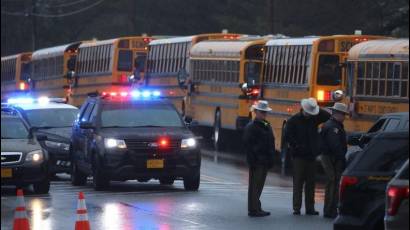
(13, 129)
(51, 118)
(139, 115)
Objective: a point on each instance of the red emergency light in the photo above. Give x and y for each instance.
(163, 143)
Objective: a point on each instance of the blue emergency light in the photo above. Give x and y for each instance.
(30, 100)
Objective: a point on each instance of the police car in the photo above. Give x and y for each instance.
(23, 161)
(133, 135)
(52, 118)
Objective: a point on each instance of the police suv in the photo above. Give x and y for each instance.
(122, 136)
(49, 117)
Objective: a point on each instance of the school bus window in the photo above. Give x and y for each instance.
(124, 60)
(104, 58)
(282, 64)
(375, 77)
(329, 71)
(179, 56)
(124, 44)
(152, 58)
(288, 74)
(159, 58)
(165, 67)
(169, 58)
(97, 59)
(163, 58)
(252, 73)
(205, 66)
(175, 59)
(405, 80)
(158, 62)
(140, 60)
(87, 60)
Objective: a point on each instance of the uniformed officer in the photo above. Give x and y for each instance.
(303, 138)
(260, 148)
(334, 156)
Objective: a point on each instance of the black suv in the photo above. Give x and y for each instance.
(121, 138)
(390, 122)
(23, 161)
(363, 184)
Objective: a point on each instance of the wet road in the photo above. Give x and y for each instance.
(221, 203)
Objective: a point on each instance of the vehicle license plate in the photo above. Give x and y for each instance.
(6, 173)
(155, 164)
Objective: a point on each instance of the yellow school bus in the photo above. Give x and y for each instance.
(378, 73)
(168, 61)
(15, 71)
(217, 69)
(305, 67)
(108, 65)
(51, 69)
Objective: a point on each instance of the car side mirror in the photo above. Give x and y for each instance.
(354, 139)
(365, 139)
(41, 137)
(87, 125)
(188, 119)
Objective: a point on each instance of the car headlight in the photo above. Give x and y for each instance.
(57, 145)
(189, 143)
(35, 156)
(114, 143)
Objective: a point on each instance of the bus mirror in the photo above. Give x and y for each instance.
(337, 95)
(182, 78)
(70, 75)
(244, 87)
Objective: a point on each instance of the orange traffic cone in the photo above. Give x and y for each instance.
(82, 217)
(20, 216)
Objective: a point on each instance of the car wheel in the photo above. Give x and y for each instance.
(77, 178)
(191, 183)
(42, 187)
(166, 181)
(100, 180)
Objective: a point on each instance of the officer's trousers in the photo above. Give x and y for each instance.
(333, 169)
(304, 172)
(257, 178)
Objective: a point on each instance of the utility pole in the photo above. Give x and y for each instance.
(33, 24)
(271, 22)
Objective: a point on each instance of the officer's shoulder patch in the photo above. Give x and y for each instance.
(336, 130)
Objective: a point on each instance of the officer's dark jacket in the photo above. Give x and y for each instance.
(259, 143)
(334, 139)
(302, 134)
